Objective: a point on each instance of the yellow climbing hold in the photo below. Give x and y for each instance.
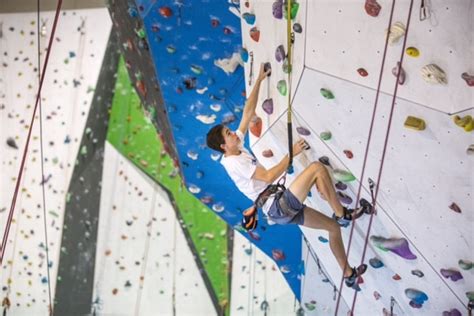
(415, 123)
(465, 122)
(412, 51)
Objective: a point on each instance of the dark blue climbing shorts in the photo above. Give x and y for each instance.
(293, 214)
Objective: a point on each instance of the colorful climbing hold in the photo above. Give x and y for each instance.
(342, 175)
(267, 153)
(455, 207)
(397, 30)
(417, 297)
(267, 106)
(277, 9)
(398, 246)
(372, 8)
(412, 52)
(165, 12)
(417, 273)
(465, 264)
(244, 55)
(452, 312)
(362, 72)
(348, 154)
(278, 254)
(297, 28)
(432, 73)
(322, 239)
(196, 69)
(396, 277)
(376, 263)
(415, 123)
(255, 126)
(249, 18)
(326, 135)
(466, 122)
(280, 53)
(468, 78)
(327, 93)
(340, 186)
(452, 274)
(402, 76)
(303, 131)
(281, 87)
(344, 198)
(255, 34)
(286, 66)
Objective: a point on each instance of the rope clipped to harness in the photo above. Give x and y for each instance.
(250, 215)
(289, 43)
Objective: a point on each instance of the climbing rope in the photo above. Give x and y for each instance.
(289, 43)
(43, 190)
(385, 142)
(25, 150)
(394, 97)
(367, 149)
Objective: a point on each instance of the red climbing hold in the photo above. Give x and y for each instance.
(215, 22)
(362, 72)
(267, 153)
(247, 4)
(141, 87)
(469, 79)
(348, 154)
(372, 7)
(255, 34)
(256, 126)
(165, 12)
(396, 277)
(278, 254)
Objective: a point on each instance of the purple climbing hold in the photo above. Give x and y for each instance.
(376, 263)
(344, 198)
(395, 70)
(280, 53)
(303, 131)
(268, 106)
(453, 312)
(398, 246)
(452, 274)
(341, 186)
(277, 9)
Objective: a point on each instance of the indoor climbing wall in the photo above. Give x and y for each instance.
(144, 264)
(73, 69)
(197, 48)
(420, 242)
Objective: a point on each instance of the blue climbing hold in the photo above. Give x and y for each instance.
(376, 263)
(249, 18)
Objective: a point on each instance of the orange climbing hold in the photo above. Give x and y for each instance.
(255, 126)
(165, 12)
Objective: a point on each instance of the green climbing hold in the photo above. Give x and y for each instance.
(286, 66)
(281, 86)
(140, 33)
(83, 150)
(466, 264)
(325, 135)
(293, 11)
(342, 175)
(470, 295)
(327, 93)
(196, 69)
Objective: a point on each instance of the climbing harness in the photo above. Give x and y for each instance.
(369, 141)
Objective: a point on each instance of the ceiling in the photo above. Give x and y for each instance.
(12, 6)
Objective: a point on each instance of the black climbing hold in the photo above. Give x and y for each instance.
(266, 67)
(297, 28)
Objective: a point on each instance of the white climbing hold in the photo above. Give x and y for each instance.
(433, 74)
(215, 107)
(207, 119)
(201, 91)
(397, 30)
(228, 65)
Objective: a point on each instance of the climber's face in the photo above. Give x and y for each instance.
(232, 141)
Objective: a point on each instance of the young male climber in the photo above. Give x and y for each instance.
(285, 206)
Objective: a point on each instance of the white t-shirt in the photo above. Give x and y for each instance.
(241, 169)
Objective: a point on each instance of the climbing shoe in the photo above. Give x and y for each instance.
(250, 219)
(351, 281)
(351, 214)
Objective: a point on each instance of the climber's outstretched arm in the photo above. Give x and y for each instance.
(251, 104)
